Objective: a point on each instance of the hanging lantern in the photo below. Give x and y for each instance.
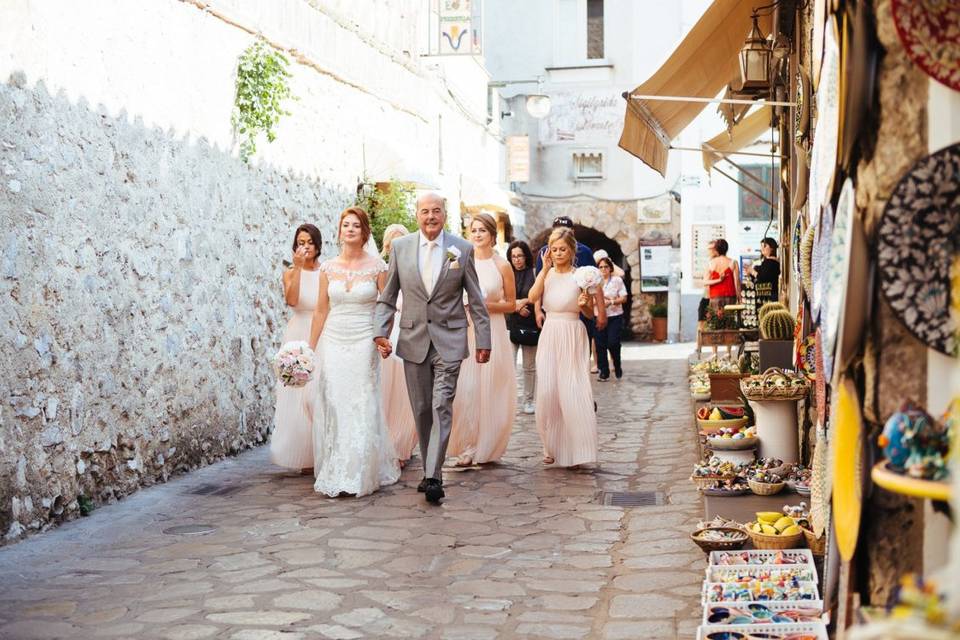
(755, 60)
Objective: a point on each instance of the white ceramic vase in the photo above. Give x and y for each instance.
(777, 429)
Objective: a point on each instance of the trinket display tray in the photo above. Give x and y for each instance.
(766, 613)
(796, 631)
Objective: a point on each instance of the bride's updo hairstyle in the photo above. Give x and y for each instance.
(565, 235)
(488, 223)
(364, 222)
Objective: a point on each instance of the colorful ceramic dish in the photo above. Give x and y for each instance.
(929, 32)
(918, 245)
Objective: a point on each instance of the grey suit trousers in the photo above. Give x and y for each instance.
(433, 413)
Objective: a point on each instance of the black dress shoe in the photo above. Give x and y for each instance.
(422, 486)
(434, 491)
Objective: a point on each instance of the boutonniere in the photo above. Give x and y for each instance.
(453, 255)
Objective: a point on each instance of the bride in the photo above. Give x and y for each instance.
(352, 448)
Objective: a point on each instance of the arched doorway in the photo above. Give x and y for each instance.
(597, 240)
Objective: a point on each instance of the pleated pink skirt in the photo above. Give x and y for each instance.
(291, 444)
(565, 416)
(486, 400)
(396, 407)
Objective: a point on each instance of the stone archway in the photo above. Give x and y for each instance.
(613, 225)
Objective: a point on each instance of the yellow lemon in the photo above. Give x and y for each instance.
(756, 528)
(791, 530)
(769, 516)
(783, 523)
(767, 529)
(715, 415)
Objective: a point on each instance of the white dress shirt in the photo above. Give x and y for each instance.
(437, 256)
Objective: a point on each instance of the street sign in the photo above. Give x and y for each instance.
(518, 158)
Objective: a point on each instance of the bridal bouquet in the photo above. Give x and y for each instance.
(293, 364)
(588, 278)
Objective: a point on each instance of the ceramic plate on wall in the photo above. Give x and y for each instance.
(847, 287)
(820, 262)
(846, 466)
(806, 259)
(918, 244)
(930, 33)
(820, 383)
(859, 68)
(820, 484)
(823, 160)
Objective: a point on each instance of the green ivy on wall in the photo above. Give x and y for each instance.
(262, 85)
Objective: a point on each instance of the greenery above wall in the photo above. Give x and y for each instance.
(389, 203)
(262, 85)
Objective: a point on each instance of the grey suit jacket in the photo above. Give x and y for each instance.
(438, 317)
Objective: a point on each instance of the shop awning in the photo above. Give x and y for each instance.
(699, 68)
(744, 134)
(476, 195)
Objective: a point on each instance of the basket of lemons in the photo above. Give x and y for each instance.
(773, 530)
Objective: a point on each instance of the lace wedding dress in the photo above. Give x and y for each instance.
(352, 448)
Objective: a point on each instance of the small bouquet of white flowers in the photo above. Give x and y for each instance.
(293, 364)
(588, 278)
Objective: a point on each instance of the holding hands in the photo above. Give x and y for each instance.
(383, 347)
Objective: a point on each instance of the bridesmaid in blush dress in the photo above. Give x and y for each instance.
(486, 399)
(396, 402)
(291, 444)
(565, 415)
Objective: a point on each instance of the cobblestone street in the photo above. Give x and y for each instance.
(516, 550)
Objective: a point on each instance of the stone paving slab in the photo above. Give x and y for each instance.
(516, 551)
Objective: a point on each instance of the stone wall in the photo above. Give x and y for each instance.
(140, 282)
(618, 222)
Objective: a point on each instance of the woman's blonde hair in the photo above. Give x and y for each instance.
(488, 223)
(565, 235)
(390, 234)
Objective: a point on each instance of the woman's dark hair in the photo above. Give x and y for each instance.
(770, 242)
(525, 248)
(608, 261)
(721, 246)
(314, 234)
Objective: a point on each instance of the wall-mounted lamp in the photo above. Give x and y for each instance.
(538, 104)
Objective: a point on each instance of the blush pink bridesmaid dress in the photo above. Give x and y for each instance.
(486, 400)
(396, 402)
(565, 416)
(291, 444)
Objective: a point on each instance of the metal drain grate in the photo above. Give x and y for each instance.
(215, 490)
(631, 498)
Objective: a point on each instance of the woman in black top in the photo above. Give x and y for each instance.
(523, 324)
(767, 273)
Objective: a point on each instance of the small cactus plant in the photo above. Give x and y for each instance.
(767, 308)
(777, 325)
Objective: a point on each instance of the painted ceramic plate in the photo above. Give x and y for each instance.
(846, 465)
(823, 162)
(806, 259)
(859, 68)
(801, 168)
(820, 383)
(819, 485)
(801, 119)
(930, 33)
(808, 357)
(919, 241)
(797, 239)
(820, 263)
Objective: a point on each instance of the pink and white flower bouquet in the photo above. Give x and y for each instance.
(294, 364)
(588, 278)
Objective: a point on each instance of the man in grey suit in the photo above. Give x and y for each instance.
(432, 269)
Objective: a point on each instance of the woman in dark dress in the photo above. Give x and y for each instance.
(523, 323)
(766, 273)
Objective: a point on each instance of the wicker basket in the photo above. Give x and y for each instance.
(767, 541)
(720, 545)
(818, 546)
(703, 482)
(765, 488)
(773, 393)
(712, 426)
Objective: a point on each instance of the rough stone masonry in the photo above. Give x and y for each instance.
(141, 301)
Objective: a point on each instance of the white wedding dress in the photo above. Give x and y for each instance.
(353, 452)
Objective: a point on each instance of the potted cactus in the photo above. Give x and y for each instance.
(776, 338)
(658, 314)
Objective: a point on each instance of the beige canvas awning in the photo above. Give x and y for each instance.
(744, 133)
(699, 68)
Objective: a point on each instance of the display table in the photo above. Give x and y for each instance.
(744, 508)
